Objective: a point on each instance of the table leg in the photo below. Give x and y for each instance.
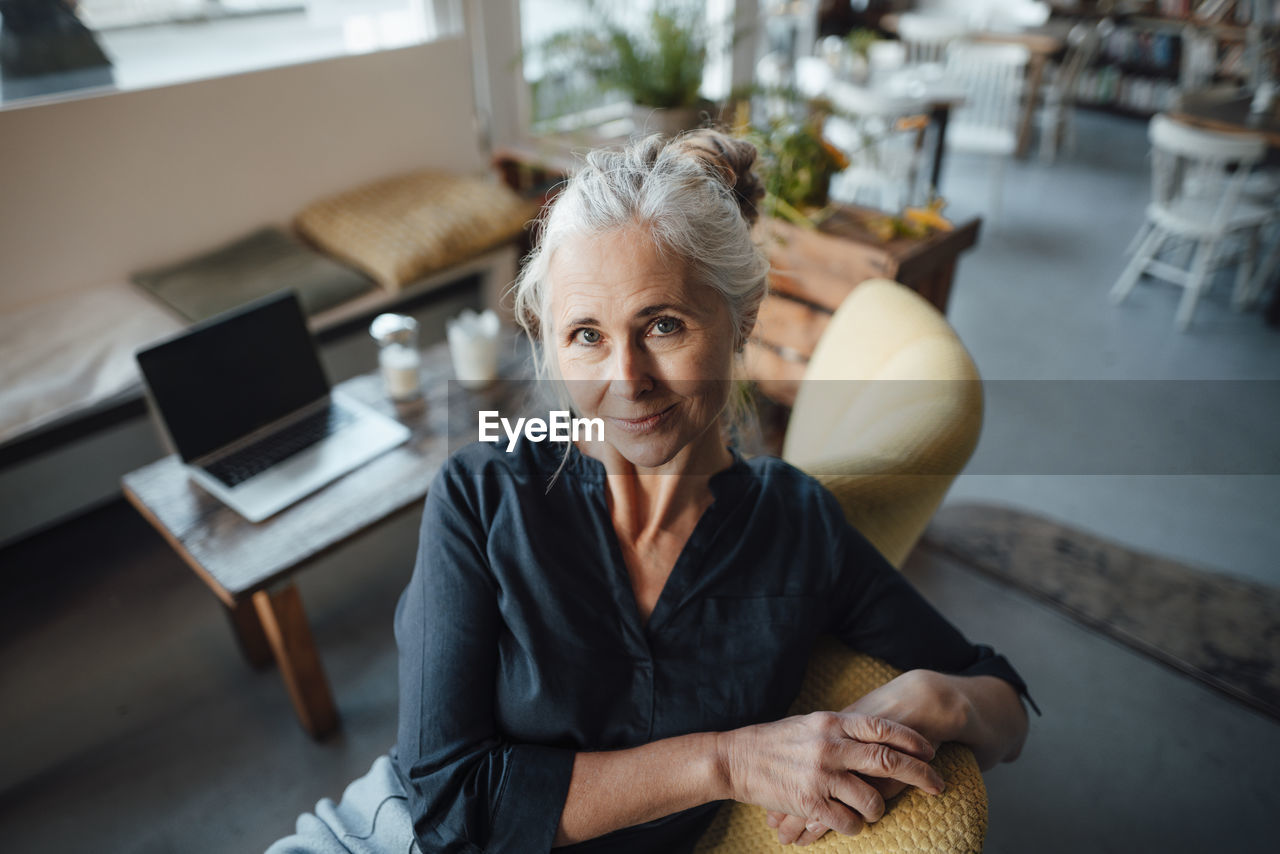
(936, 287)
(1035, 73)
(248, 629)
(940, 114)
(285, 624)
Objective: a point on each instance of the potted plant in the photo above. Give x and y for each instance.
(657, 64)
(796, 162)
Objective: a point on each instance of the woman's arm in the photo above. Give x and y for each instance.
(952, 690)
(800, 764)
(994, 725)
(984, 713)
(619, 788)
(468, 787)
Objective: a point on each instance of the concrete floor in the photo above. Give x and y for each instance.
(1174, 431)
(132, 724)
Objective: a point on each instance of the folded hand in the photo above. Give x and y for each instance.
(811, 766)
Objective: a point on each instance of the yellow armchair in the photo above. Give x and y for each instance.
(889, 412)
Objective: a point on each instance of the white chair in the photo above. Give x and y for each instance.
(1197, 200)
(885, 57)
(1263, 188)
(1006, 15)
(927, 37)
(813, 76)
(1056, 118)
(1013, 16)
(773, 75)
(885, 158)
(991, 76)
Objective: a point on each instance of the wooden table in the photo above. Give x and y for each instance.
(812, 271)
(250, 567)
(1044, 43)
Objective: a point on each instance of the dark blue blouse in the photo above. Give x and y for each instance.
(521, 643)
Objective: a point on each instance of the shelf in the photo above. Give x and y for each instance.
(1117, 110)
(1138, 69)
(1224, 32)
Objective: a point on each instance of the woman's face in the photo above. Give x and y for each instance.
(639, 346)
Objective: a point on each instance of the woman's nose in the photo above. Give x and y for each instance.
(632, 373)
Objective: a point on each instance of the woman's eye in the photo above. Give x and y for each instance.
(588, 336)
(666, 325)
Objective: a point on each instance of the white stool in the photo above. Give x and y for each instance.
(1197, 183)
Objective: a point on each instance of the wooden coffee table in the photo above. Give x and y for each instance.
(250, 567)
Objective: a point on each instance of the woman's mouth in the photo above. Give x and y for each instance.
(642, 425)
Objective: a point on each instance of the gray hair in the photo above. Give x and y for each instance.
(695, 194)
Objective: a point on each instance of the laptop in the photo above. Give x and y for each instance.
(247, 406)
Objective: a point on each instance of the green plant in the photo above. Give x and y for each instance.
(859, 41)
(796, 161)
(796, 164)
(658, 64)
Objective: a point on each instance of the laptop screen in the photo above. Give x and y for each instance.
(228, 376)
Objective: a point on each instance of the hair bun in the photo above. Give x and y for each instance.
(731, 160)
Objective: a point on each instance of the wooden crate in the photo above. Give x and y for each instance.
(813, 270)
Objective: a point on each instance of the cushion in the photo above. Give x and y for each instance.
(72, 351)
(261, 263)
(402, 228)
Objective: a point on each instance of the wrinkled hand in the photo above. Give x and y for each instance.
(793, 829)
(800, 766)
(918, 700)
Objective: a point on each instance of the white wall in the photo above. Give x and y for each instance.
(94, 189)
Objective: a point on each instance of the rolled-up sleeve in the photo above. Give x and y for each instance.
(876, 610)
(469, 789)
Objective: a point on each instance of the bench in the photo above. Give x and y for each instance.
(97, 188)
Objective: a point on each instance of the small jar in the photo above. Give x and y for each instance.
(398, 356)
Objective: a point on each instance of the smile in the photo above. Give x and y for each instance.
(643, 425)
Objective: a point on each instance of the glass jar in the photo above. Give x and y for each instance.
(398, 356)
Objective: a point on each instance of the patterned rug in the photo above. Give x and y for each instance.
(1223, 631)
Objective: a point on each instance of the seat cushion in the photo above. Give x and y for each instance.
(258, 264)
(1193, 217)
(402, 228)
(372, 817)
(71, 352)
(981, 139)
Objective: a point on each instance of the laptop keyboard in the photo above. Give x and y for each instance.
(243, 464)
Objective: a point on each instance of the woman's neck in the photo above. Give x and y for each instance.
(646, 500)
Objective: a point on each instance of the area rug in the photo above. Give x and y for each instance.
(1223, 631)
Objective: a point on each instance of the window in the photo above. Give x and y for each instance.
(561, 93)
(134, 44)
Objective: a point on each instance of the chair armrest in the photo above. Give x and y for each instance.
(955, 821)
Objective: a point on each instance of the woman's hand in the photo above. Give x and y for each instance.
(801, 766)
(917, 699)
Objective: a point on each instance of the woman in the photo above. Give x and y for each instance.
(601, 639)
